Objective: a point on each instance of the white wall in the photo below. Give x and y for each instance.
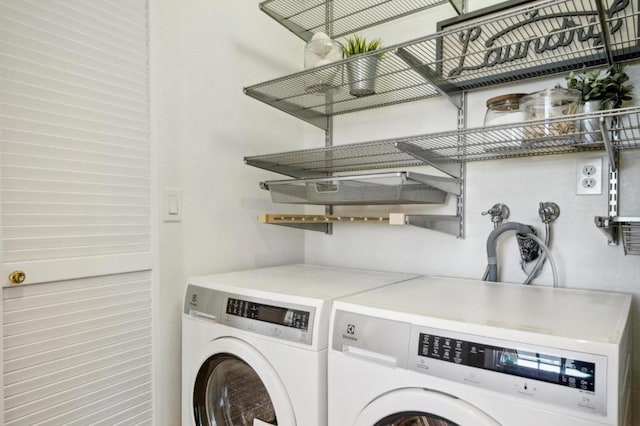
(203, 54)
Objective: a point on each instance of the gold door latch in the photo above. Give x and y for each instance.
(17, 277)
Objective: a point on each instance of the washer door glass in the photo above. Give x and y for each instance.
(421, 407)
(228, 392)
(415, 419)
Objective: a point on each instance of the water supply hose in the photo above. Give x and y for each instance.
(492, 242)
(552, 262)
(540, 263)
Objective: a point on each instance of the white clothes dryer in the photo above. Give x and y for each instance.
(254, 343)
(451, 352)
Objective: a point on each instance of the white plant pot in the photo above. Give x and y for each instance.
(591, 126)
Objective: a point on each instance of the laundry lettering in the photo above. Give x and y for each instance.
(567, 29)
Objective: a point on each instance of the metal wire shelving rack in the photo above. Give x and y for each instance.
(620, 130)
(426, 67)
(429, 67)
(348, 16)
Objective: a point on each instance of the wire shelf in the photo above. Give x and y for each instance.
(627, 228)
(348, 16)
(437, 64)
(531, 138)
(630, 231)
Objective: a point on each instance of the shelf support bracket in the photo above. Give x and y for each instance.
(609, 229)
(446, 224)
(431, 158)
(311, 117)
(446, 184)
(445, 88)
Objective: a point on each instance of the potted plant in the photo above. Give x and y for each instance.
(601, 89)
(361, 72)
(605, 89)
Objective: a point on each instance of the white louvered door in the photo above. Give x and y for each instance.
(75, 211)
(75, 145)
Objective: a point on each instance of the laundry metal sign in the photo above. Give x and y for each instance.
(563, 35)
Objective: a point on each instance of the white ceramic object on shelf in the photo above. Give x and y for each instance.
(320, 51)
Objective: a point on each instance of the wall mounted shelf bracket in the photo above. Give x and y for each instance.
(431, 158)
(445, 88)
(441, 223)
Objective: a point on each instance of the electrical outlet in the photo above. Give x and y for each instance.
(589, 176)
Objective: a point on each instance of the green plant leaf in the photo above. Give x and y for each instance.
(356, 45)
(606, 85)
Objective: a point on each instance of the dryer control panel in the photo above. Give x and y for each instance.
(570, 379)
(573, 373)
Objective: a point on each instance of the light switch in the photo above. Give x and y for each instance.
(171, 205)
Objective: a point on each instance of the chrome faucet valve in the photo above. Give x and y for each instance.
(548, 211)
(498, 212)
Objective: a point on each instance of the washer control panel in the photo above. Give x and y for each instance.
(570, 379)
(272, 318)
(279, 315)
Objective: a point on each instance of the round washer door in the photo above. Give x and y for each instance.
(236, 386)
(421, 407)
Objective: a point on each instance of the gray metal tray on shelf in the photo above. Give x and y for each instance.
(379, 188)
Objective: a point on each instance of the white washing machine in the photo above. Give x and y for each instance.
(254, 343)
(443, 352)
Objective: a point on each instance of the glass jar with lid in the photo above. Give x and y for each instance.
(550, 104)
(504, 109)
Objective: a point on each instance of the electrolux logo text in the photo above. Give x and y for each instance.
(351, 331)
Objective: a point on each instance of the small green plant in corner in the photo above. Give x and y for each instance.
(356, 45)
(610, 86)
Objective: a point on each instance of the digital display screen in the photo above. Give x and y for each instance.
(547, 368)
(268, 313)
